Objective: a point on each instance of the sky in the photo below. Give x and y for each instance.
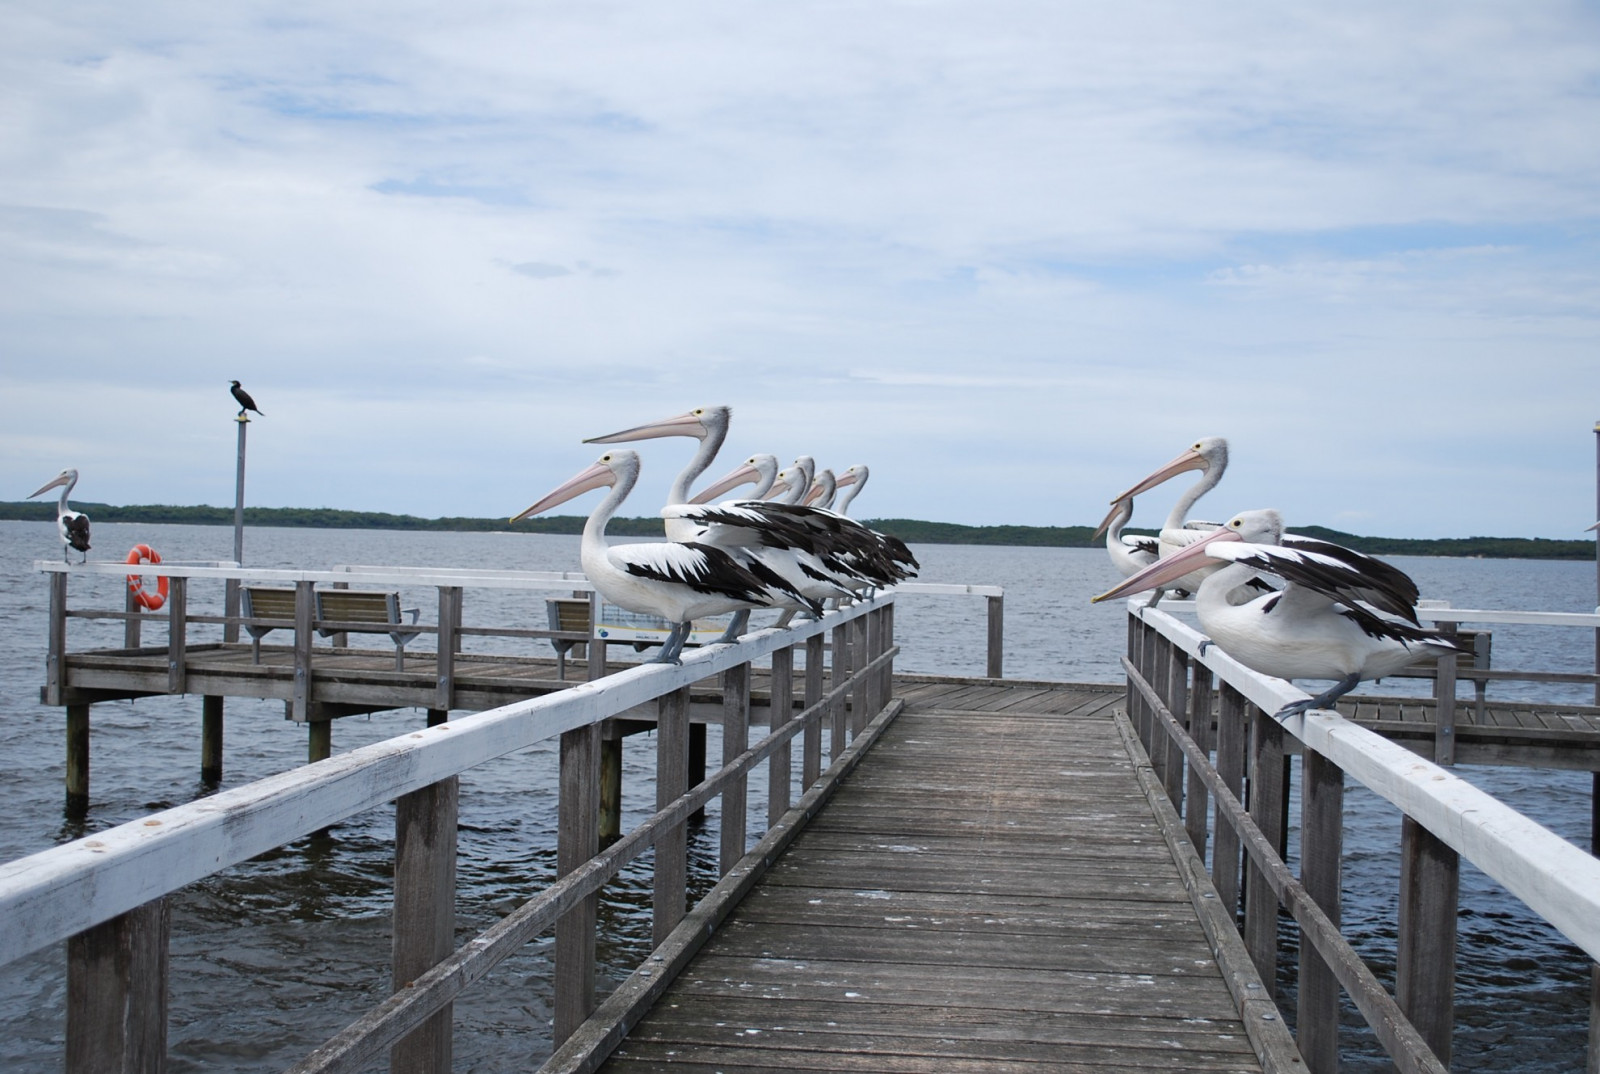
(1013, 256)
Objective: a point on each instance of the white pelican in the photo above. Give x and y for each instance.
(678, 581)
(759, 469)
(709, 425)
(824, 486)
(793, 481)
(1318, 626)
(72, 525)
(852, 481)
(1132, 553)
(1209, 455)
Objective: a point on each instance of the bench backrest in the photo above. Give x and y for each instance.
(568, 613)
(262, 602)
(357, 606)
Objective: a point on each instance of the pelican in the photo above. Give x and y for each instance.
(678, 581)
(793, 481)
(1319, 626)
(852, 481)
(1130, 554)
(709, 425)
(72, 525)
(1209, 455)
(243, 398)
(824, 486)
(759, 469)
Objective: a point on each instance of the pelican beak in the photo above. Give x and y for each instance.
(1189, 460)
(594, 477)
(1591, 529)
(846, 478)
(742, 475)
(683, 425)
(779, 487)
(1116, 509)
(59, 479)
(813, 494)
(1166, 570)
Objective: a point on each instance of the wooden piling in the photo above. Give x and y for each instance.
(211, 707)
(77, 759)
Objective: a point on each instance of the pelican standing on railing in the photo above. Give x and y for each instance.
(848, 486)
(708, 424)
(1319, 626)
(824, 486)
(678, 581)
(1209, 455)
(759, 469)
(72, 525)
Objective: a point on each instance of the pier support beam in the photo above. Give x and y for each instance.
(77, 760)
(319, 736)
(211, 739)
(697, 764)
(610, 790)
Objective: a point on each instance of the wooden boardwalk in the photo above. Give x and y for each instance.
(991, 890)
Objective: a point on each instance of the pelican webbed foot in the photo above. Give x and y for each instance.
(1324, 700)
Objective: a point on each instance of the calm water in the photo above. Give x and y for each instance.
(276, 955)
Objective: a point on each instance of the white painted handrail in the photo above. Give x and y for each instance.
(49, 896)
(1439, 611)
(1558, 881)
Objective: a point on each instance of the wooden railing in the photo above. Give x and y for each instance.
(107, 896)
(1173, 695)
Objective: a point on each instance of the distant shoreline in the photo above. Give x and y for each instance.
(912, 531)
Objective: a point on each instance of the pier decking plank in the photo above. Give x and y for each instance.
(989, 891)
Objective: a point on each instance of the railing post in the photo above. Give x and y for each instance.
(1321, 857)
(577, 840)
(888, 643)
(779, 710)
(1444, 704)
(596, 647)
(131, 625)
(1196, 797)
(1425, 955)
(997, 636)
(1175, 688)
(861, 689)
(735, 740)
(811, 747)
(449, 642)
(672, 780)
(304, 609)
(610, 783)
(870, 649)
(55, 671)
(424, 913)
(841, 672)
(177, 635)
(117, 993)
(1157, 672)
(1232, 735)
(1267, 810)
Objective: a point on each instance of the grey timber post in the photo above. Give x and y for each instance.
(577, 840)
(1267, 810)
(1132, 698)
(1196, 797)
(860, 689)
(1425, 955)
(178, 636)
(230, 589)
(779, 710)
(117, 994)
(424, 914)
(610, 784)
(840, 672)
(55, 661)
(304, 609)
(735, 740)
(130, 625)
(671, 846)
(1321, 855)
(211, 739)
(871, 648)
(449, 642)
(811, 747)
(1175, 689)
(596, 647)
(997, 637)
(1444, 703)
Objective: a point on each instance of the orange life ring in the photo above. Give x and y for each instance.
(143, 553)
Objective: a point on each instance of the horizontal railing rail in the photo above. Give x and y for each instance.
(114, 884)
(1171, 701)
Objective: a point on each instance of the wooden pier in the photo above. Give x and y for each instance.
(953, 909)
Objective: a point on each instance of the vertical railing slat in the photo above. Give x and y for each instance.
(1321, 856)
(577, 840)
(178, 636)
(735, 740)
(117, 994)
(672, 780)
(1425, 951)
(1266, 809)
(424, 914)
(1232, 742)
(1196, 797)
(779, 710)
(811, 745)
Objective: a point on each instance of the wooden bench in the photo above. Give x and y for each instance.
(366, 611)
(568, 614)
(262, 602)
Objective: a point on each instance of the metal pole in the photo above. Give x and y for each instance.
(230, 597)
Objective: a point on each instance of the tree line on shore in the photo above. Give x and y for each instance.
(912, 531)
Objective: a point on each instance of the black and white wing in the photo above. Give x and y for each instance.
(701, 567)
(1369, 579)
